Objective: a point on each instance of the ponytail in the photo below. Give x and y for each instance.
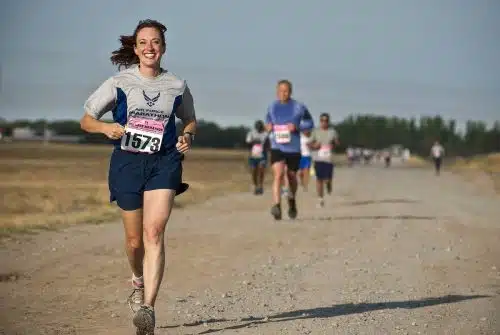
(125, 56)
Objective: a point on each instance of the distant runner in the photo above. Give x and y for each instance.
(387, 157)
(258, 142)
(324, 140)
(350, 156)
(306, 159)
(285, 118)
(437, 153)
(285, 185)
(367, 155)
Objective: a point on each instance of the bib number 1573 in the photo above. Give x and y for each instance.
(136, 140)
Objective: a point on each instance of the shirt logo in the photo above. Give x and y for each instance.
(150, 101)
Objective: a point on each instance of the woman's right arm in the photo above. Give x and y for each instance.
(97, 105)
(91, 125)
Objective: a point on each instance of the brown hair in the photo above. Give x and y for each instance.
(125, 55)
(287, 83)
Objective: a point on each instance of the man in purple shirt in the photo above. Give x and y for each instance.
(285, 119)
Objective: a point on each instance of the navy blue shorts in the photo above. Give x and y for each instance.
(323, 170)
(130, 174)
(254, 162)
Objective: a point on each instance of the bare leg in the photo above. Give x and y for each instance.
(291, 176)
(132, 222)
(286, 181)
(278, 173)
(292, 183)
(329, 184)
(157, 209)
(260, 176)
(320, 187)
(305, 178)
(255, 180)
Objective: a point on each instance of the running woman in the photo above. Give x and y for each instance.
(350, 156)
(437, 152)
(145, 166)
(285, 118)
(258, 143)
(324, 140)
(305, 159)
(387, 157)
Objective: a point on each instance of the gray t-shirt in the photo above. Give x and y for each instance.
(325, 137)
(437, 151)
(259, 140)
(145, 106)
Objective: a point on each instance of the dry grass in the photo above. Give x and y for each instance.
(416, 161)
(44, 187)
(478, 166)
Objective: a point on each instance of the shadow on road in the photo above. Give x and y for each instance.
(367, 217)
(382, 201)
(328, 312)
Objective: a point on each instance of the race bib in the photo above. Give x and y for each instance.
(257, 151)
(143, 135)
(282, 134)
(325, 151)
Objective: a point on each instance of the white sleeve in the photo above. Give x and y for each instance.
(249, 138)
(186, 111)
(102, 100)
(334, 134)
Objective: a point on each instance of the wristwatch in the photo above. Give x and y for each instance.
(191, 135)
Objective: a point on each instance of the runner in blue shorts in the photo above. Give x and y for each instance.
(285, 118)
(305, 159)
(145, 170)
(258, 142)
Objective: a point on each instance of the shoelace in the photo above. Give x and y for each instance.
(136, 295)
(135, 298)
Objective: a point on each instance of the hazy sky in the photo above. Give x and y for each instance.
(396, 57)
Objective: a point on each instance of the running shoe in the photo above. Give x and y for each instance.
(144, 321)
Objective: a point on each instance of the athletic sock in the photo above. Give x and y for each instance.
(137, 282)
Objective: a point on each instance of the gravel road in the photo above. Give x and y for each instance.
(395, 251)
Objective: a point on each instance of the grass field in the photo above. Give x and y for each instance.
(49, 186)
(480, 166)
(59, 184)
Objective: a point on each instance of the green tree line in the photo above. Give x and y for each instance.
(370, 131)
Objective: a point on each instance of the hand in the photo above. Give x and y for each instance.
(113, 131)
(269, 127)
(313, 145)
(183, 144)
(291, 127)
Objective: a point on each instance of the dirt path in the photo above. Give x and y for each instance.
(396, 251)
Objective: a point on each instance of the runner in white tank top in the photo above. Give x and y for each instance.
(305, 160)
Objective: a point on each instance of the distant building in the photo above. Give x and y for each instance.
(28, 134)
(24, 133)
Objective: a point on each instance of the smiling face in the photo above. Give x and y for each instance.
(149, 47)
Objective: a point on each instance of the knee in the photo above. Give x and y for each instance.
(278, 175)
(153, 234)
(134, 242)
